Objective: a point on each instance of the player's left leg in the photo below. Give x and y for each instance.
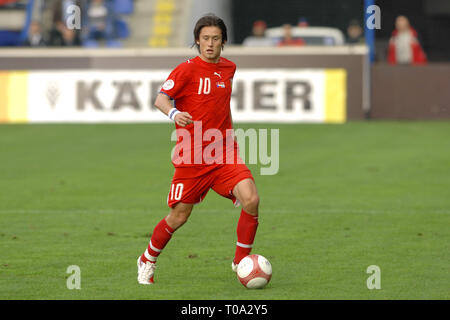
(245, 191)
(247, 194)
(235, 181)
(160, 237)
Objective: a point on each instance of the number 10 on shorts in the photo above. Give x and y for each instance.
(176, 191)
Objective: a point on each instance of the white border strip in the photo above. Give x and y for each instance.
(139, 52)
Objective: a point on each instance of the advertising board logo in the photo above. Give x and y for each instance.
(52, 94)
(273, 95)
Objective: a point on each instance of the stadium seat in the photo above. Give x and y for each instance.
(9, 38)
(122, 29)
(113, 44)
(90, 43)
(123, 6)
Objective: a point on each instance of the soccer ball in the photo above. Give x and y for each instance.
(254, 271)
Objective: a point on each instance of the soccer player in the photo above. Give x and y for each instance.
(201, 90)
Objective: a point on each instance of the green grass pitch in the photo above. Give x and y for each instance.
(345, 197)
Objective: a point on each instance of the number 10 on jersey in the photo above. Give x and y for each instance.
(204, 85)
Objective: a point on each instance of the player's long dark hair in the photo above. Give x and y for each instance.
(209, 20)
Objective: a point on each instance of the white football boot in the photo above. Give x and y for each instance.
(234, 266)
(145, 271)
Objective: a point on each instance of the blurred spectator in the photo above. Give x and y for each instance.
(258, 38)
(70, 37)
(5, 2)
(35, 36)
(355, 33)
(62, 36)
(404, 46)
(288, 39)
(98, 14)
(100, 24)
(302, 22)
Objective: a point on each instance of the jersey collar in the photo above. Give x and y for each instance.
(200, 61)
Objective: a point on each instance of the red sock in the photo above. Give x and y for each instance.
(246, 230)
(161, 235)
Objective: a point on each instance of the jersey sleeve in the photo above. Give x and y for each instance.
(176, 83)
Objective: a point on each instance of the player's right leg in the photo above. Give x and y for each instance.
(187, 188)
(160, 237)
(179, 215)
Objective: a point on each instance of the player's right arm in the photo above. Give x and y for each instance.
(163, 103)
(176, 86)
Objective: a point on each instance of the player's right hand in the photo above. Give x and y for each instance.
(183, 119)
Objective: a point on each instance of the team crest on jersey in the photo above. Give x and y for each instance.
(220, 84)
(168, 84)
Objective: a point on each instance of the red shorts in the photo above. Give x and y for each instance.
(191, 184)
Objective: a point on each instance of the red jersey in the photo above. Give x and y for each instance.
(203, 90)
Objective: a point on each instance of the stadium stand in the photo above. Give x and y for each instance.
(154, 23)
(162, 23)
(128, 23)
(15, 18)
